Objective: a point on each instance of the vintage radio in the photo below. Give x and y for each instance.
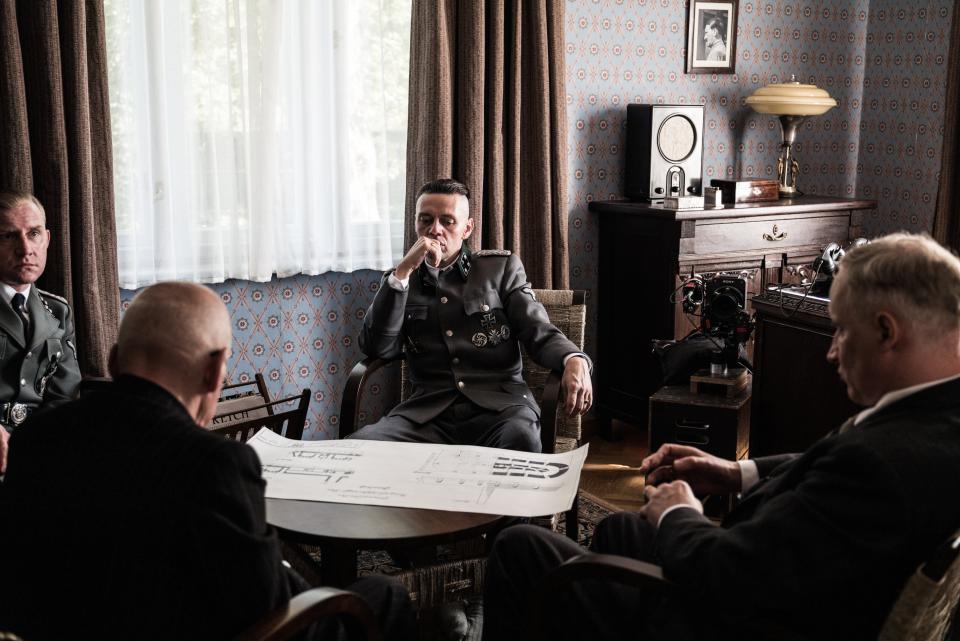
(664, 152)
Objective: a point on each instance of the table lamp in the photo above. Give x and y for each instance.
(792, 102)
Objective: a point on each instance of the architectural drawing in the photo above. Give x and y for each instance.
(420, 475)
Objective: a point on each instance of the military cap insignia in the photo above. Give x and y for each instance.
(493, 252)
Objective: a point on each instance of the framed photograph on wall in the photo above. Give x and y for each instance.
(712, 36)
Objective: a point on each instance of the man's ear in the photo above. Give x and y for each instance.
(890, 330)
(214, 371)
(112, 364)
(469, 228)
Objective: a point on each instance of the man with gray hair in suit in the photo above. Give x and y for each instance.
(821, 543)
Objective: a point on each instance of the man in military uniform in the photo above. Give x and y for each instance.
(460, 318)
(38, 358)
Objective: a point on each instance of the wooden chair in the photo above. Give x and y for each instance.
(245, 408)
(926, 610)
(558, 432)
(311, 607)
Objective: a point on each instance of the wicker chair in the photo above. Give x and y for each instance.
(559, 433)
(926, 610)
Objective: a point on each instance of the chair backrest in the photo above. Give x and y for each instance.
(928, 604)
(568, 312)
(245, 408)
(242, 401)
(313, 606)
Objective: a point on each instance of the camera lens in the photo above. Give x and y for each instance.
(725, 304)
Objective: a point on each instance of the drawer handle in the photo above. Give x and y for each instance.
(690, 432)
(775, 235)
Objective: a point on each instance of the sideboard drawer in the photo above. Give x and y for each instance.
(767, 234)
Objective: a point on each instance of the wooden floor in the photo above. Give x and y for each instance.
(610, 472)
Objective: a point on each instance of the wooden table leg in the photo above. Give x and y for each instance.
(338, 565)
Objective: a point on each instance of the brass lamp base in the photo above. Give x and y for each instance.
(787, 166)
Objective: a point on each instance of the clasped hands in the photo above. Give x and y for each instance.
(677, 474)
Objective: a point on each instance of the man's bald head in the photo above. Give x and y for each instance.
(171, 333)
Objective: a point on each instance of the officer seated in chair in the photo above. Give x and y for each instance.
(38, 355)
(460, 318)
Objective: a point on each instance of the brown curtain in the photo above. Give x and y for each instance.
(487, 107)
(55, 142)
(946, 224)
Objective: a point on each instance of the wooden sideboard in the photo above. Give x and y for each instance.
(797, 395)
(645, 253)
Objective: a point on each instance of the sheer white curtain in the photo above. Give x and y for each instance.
(254, 137)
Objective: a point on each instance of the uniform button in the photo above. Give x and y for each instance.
(524, 395)
(456, 361)
(461, 384)
(23, 382)
(484, 308)
(443, 299)
(29, 354)
(449, 332)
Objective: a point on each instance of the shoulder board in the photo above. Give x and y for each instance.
(53, 296)
(492, 252)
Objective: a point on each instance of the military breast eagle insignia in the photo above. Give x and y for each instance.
(493, 252)
(491, 336)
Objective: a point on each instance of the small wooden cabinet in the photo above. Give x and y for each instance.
(797, 395)
(646, 251)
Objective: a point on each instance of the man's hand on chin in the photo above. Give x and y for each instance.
(661, 497)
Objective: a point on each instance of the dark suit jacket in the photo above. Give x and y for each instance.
(821, 547)
(467, 328)
(122, 519)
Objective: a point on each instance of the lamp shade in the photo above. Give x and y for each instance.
(791, 99)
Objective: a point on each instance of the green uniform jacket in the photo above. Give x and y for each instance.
(462, 335)
(23, 367)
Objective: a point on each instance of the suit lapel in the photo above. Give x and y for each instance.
(10, 323)
(42, 322)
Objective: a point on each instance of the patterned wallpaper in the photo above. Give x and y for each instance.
(883, 60)
(901, 130)
(301, 332)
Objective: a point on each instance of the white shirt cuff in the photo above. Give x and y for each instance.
(698, 509)
(573, 355)
(397, 284)
(749, 474)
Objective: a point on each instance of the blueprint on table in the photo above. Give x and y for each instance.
(458, 478)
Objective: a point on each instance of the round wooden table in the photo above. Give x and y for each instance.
(342, 529)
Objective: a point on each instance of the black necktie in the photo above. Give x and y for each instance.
(18, 302)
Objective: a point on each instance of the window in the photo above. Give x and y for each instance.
(253, 137)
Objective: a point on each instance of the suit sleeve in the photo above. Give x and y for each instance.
(543, 341)
(840, 518)
(236, 553)
(382, 333)
(64, 385)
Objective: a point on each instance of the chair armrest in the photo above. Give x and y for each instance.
(350, 403)
(312, 606)
(603, 567)
(549, 405)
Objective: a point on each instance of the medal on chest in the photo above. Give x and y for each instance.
(490, 336)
